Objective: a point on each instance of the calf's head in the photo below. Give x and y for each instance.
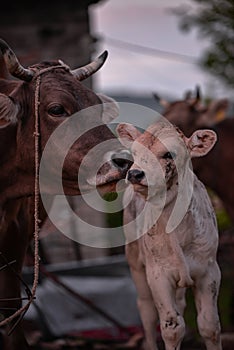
(162, 157)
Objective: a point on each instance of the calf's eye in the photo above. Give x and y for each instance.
(57, 111)
(169, 155)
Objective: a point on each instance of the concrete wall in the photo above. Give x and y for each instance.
(46, 30)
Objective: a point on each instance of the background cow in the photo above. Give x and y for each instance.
(61, 95)
(215, 170)
(173, 249)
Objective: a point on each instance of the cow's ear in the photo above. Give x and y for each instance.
(8, 111)
(201, 142)
(127, 134)
(163, 103)
(214, 113)
(110, 108)
(217, 111)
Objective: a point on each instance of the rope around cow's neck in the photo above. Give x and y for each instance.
(21, 312)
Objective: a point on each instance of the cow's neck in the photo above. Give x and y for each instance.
(7, 144)
(15, 181)
(8, 158)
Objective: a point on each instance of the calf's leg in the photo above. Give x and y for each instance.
(171, 320)
(180, 300)
(146, 307)
(206, 294)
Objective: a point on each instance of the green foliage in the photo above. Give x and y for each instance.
(224, 305)
(113, 219)
(190, 315)
(111, 196)
(223, 220)
(215, 20)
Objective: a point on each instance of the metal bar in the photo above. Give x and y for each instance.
(26, 288)
(15, 299)
(88, 302)
(8, 264)
(17, 322)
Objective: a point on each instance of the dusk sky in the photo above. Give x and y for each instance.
(148, 23)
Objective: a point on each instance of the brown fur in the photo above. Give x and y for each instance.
(215, 170)
(17, 164)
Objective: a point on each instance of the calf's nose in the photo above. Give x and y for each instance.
(135, 176)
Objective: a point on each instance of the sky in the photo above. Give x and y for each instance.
(148, 23)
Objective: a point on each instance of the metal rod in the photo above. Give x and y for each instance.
(26, 288)
(8, 264)
(78, 296)
(15, 299)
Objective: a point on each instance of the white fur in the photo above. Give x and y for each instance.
(163, 264)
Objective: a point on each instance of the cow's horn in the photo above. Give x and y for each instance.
(91, 68)
(198, 93)
(12, 63)
(197, 99)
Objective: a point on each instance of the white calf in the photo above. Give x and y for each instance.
(177, 237)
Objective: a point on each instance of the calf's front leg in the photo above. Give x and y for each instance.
(171, 319)
(146, 308)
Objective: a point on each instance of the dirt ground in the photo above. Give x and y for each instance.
(136, 342)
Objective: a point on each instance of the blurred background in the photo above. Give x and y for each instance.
(155, 46)
(149, 51)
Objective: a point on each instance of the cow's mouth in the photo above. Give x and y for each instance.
(106, 180)
(111, 171)
(107, 187)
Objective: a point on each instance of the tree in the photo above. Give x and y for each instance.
(214, 19)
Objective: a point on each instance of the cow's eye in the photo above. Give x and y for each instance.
(57, 111)
(169, 155)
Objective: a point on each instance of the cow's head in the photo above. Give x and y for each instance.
(190, 114)
(161, 155)
(61, 95)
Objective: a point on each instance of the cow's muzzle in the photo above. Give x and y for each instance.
(122, 160)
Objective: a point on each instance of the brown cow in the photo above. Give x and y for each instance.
(176, 238)
(61, 95)
(215, 170)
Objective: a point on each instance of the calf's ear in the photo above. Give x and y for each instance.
(201, 142)
(110, 108)
(8, 111)
(127, 134)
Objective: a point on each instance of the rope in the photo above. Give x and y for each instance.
(21, 312)
(24, 308)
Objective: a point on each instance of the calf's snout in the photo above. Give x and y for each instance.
(135, 176)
